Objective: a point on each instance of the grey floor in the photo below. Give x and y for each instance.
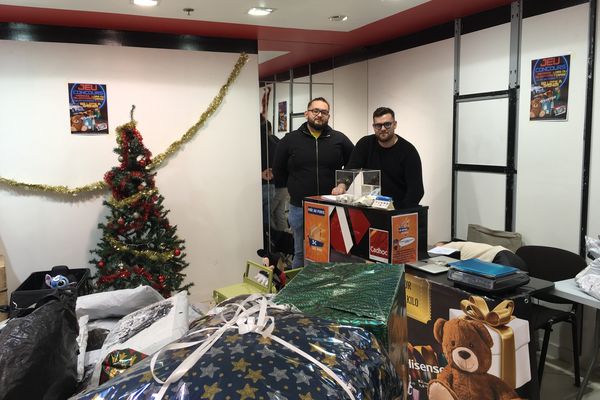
(558, 382)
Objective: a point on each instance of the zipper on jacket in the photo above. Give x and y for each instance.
(317, 158)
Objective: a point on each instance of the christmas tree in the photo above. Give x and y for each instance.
(138, 246)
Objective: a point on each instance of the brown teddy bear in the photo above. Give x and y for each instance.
(76, 123)
(467, 346)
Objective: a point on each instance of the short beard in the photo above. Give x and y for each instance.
(315, 127)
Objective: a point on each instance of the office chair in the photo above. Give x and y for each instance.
(553, 264)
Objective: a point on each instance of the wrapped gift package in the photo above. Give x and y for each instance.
(520, 336)
(257, 349)
(361, 294)
(119, 361)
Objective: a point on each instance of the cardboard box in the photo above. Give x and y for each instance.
(2, 273)
(3, 303)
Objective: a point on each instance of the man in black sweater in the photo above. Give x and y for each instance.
(307, 159)
(395, 157)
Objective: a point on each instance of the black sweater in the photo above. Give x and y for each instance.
(400, 165)
(307, 164)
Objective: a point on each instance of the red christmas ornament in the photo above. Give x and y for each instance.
(121, 221)
(161, 278)
(142, 162)
(100, 264)
(177, 252)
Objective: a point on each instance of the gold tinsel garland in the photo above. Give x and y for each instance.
(149, 254)
(132, 199)
(96, 186)
(158, 160)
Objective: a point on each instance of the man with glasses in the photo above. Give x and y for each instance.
(396, 158)
(307, 159)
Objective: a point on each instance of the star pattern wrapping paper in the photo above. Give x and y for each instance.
(252, 366)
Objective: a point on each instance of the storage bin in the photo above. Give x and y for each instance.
(34, 288)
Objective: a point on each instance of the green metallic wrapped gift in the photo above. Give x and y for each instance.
(366, 295)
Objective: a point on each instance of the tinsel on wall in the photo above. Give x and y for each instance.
(138, 246)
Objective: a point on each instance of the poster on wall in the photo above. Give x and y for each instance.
(549, 88)
(282, 125)
(88, 109)
(316, 232)
(405, 238)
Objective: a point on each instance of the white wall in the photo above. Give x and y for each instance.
(550, 157)
(350, 99)
(482, 128)
(209, 186)
(417, 85)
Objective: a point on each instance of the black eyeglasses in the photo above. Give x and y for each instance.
(386, 125)
(316, 111)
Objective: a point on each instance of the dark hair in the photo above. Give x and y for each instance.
(382, 111)
(318, 99)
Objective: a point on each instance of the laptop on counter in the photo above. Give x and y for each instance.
(433, 265)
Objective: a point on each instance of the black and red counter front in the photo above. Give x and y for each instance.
(339, 232)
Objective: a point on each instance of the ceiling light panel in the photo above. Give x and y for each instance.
(260, 11)
(145, 3)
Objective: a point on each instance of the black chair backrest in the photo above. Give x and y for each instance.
(551, 263)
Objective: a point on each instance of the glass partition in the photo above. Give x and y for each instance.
(282, 107)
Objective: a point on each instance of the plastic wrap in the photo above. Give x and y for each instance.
(148, 329)
(257, 349)
(589, 279)
(116, 303)
(357, 294)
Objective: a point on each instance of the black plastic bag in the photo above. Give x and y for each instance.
(38, 351)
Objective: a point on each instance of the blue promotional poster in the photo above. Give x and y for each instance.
(88, 110)
(549, 88)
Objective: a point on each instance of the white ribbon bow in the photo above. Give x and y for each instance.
(244, 320)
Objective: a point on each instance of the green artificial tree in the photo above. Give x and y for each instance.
(138, 246)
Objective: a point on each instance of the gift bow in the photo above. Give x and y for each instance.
(477, 309)
(251, 316)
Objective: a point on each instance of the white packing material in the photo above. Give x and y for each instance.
(147, 330)
(82, 339)
(116, 303)
(104, 323)
(588, 280)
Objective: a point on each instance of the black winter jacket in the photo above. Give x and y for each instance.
(307, 164)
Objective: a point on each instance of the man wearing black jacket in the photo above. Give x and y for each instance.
(307, 159)
(396, 158)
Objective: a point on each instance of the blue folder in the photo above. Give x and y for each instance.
(483, 268)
